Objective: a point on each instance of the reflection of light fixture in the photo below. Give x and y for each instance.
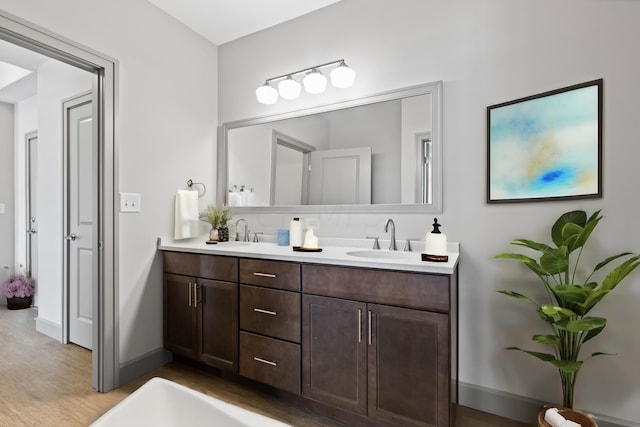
(314, 82)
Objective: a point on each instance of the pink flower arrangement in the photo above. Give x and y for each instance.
(18, 286)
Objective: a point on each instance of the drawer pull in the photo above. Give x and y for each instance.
(359, 325)
(259, 310)
(265, 275)
(268, 362)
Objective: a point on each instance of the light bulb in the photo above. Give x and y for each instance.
(289, 88)
(314, 82)
(267, 94)
(342, 76)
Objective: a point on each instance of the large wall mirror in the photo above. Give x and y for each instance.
(382, 153)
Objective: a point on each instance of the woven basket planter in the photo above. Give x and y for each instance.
(569, 414)
(18, 303)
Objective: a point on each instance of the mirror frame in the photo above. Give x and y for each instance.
(434, 88)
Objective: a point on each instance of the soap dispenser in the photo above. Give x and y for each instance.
(435, 247)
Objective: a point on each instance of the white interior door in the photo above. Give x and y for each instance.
(79, 238)
(32, 207)
(340, 177)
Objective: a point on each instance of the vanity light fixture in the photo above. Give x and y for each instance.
(267, 94)
(314, 81)
(289, 88)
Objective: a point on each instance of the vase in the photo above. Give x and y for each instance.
(223, 233)
(213, 235)
(18, 303)
(570, 414)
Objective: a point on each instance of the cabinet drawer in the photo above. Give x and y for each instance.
(205, 266)
(270, 361)
(270, 312)
(414, 290)
(273, 274)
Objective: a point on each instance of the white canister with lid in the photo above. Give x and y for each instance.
(295, 233)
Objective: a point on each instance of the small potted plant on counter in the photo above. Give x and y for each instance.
(569, 299)
(218, 219)
(19, 290)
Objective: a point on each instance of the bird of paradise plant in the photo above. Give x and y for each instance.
(569, 299)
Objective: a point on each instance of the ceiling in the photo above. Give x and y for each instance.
(221, 21)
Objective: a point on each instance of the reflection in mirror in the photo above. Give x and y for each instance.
(378, 153)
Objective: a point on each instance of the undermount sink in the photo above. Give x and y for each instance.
(382, 254)
(233, 244)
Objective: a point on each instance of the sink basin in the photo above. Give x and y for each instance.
(381, 254)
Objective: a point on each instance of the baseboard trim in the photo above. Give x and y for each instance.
(141, 365)
(517, 407)
(48, 328)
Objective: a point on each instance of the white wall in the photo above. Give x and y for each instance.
(486, 52)
(6, 190)
(56, 81)
(167, 110)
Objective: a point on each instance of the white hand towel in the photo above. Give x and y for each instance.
(186, 215)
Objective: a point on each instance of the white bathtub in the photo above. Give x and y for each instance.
(160, 402)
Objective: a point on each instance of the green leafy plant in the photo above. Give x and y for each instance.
(569, 302)
(217, 217)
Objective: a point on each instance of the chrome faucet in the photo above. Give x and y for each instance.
(246, 230)
(392, 242)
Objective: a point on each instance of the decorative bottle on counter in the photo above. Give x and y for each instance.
(435, 246)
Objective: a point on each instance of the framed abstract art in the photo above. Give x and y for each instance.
(546, 146)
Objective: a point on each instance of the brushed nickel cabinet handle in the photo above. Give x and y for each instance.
(359, 325)
(195, 295)
(268, 362)
(370, 327)
(260, 310)
(190, 295)
(265, 275)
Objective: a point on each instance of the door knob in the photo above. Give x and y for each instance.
(71, 236)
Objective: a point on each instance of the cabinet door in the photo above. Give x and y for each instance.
(179, 317)
(408, 363)
(334, 355)
(217, 304)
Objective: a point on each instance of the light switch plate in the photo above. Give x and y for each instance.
(129, 202)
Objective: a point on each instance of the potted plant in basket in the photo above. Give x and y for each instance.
(568, 298)
(218, 219)
(18, 289)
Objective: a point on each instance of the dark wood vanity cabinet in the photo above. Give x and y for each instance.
(392, 364)
(200, 308)
(379, 345)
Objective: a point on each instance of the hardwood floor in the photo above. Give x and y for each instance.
(45, 383)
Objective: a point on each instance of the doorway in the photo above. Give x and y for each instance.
(105, 366)
(31, 167)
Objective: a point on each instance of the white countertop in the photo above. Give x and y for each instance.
(334, 253)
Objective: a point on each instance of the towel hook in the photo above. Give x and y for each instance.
(190, 184)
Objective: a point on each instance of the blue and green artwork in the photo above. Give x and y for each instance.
(546, 146)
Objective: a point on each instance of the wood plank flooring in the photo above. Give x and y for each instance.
(45, 383)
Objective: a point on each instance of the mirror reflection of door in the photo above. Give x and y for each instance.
(78, 125)
(340, 177)
(289, 170)
(31, 151)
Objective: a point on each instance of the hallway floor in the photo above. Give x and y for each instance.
(45, 383)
